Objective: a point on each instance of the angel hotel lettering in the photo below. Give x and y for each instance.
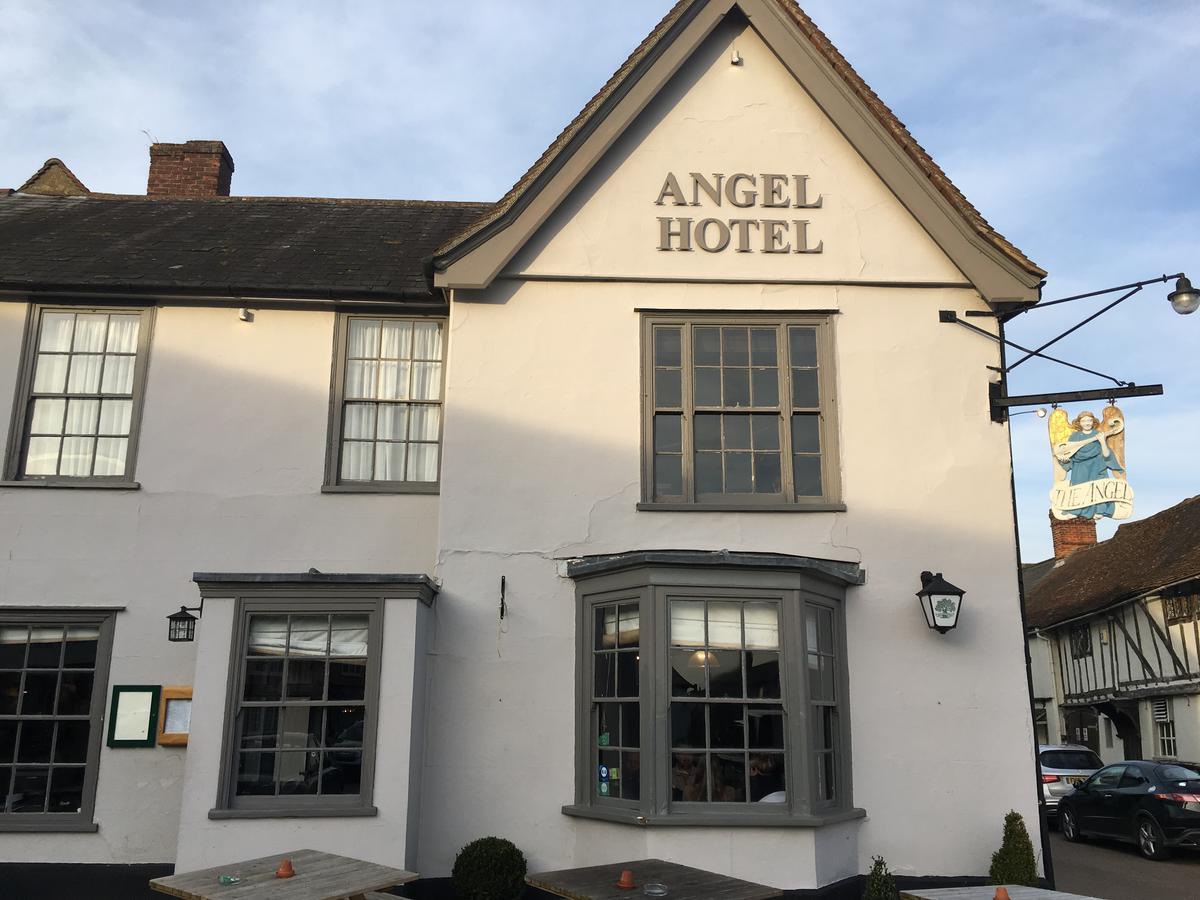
(777, 232)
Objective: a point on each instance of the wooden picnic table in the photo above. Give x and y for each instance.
(319, 876)
(987, 893)
(683, 882)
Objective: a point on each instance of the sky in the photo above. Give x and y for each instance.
(1071, 124)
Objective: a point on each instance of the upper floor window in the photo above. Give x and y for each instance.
(740, 412)
(1081, 641)
(1179, 608)
(386, 426)
(80, 393)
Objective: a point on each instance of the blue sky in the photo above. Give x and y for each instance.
(1071, 124)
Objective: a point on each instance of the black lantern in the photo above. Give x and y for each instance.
(940, 601)
(1185, 299)
(181, 626)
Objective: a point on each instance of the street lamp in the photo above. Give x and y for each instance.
(1185, 298)
(940, 601)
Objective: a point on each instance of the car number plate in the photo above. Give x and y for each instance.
(1076, 779)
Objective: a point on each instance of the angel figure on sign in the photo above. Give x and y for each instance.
(1088, 449)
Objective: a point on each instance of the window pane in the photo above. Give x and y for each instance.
(737, 387)
(425, 423)
(345, 726)
(766, 727)
(427, 340)
(115, 417)
(122, 334)
(608, 773)
(45, 647)
(260, 728)
(725, 673)
(35, 742)
(359, 420)
(363, 340)
(72, 743)
(10, 692)
(267, 635)
(707, 428)
(349, 635)
(56, 331)
(820, 678)
(427, 381)
(668, 433)
(255, 774)
(397, 340)
(806, 433)
(765, 385)
(629, 633)
(422, 462)
(306, 679)
(807, 472)
(8, 742)
(77, 456)
(393, 422)
(804, 389)
(302, 727)
(394, 380)
(738, 478)
(264, 679)
(631, 775)
(604, 682)
(66, 790)
(42, 457)
(347, 679)
(608, 725)
(50, 374)
(390, 462)
(29, 791)
(687, 623)
(631, 725)
(111, 454)
(82, 416)
(667, 347)
(706, 346)
(38, 697)
(361, 379)
(687, 725)
(47, 416)
(767, 778)
(75, 694)
(118, 374)
(85, 374)
(762, 674)
(768, 473)
(689, 780)
(735, 346)
(762, 347)
(358, 460)
(667, 391)
(729, 777)
(709, 473)
(803, 343)
(708, 387)
(737, 432)
(762, 626)
(724, 624)
(90, 330)
(726, 723)
(606, 627)
(341, 772)
(688, 670)
(627, 674)
(765, 432)
(668, 476)
(12, 646)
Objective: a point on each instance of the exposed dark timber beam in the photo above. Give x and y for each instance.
(1145, 390)
(1130, 642)
(1180, 668)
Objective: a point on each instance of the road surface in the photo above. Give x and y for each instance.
(1115, 871)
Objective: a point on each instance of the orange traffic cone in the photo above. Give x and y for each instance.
(1001, 894)
(626, 880)
(285, 869)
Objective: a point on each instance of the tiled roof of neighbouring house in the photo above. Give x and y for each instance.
(1141, 557)
(236, 246)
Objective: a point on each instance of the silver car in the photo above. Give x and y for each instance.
(1063, 767)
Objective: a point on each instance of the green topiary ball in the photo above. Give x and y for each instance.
(880, 883)
(490, 868)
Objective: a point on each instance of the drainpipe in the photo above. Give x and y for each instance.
(1043, 824)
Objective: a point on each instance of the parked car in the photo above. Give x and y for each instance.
(1063, 767)
(1152, 804)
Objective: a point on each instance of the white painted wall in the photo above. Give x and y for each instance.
(231, 462)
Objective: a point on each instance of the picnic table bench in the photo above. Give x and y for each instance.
(683, 882)
(987, 893)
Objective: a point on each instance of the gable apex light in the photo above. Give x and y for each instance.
(940, 601)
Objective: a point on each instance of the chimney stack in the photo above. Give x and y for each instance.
(194, 169)
(1070, 535)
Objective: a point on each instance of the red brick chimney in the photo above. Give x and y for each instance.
(1070, 535)
(194, 169)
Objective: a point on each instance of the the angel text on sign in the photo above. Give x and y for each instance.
(776, 232)
(1066, 496)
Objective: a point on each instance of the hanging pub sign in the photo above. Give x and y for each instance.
(773, 231)
(1088, 455)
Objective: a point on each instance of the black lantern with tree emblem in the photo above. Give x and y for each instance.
(940, 601)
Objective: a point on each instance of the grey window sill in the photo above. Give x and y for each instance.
(380, 489)
(742, 507)
(720, 819)
(76, 485)
(43, 826)
(316, 812)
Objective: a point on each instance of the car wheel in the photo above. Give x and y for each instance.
(1151, 842)
(1067, 823)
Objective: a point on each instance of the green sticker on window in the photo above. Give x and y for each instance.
(603, 741)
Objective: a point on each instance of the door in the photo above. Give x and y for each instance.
(1096, 801)
(1135, 784)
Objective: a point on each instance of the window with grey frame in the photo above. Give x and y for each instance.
(53, 682)
(740, 411)
(1081, 641)
(750, 685)
(386, 424)
(79, 397)
(303, 706)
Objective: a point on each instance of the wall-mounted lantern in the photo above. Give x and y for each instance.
(940, 601)
(181, 626)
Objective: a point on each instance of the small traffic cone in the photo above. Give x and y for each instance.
(1001, 894)
(285, 869)
(626, 880)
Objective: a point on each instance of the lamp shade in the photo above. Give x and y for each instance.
(941, 602)
(1185, 299)
(181, 626)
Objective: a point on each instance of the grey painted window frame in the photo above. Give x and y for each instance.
(654, 586)
(1079, 637)
(831, 478)
(84, 820)
(18, 432)
(337, 404)
(289, 599)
